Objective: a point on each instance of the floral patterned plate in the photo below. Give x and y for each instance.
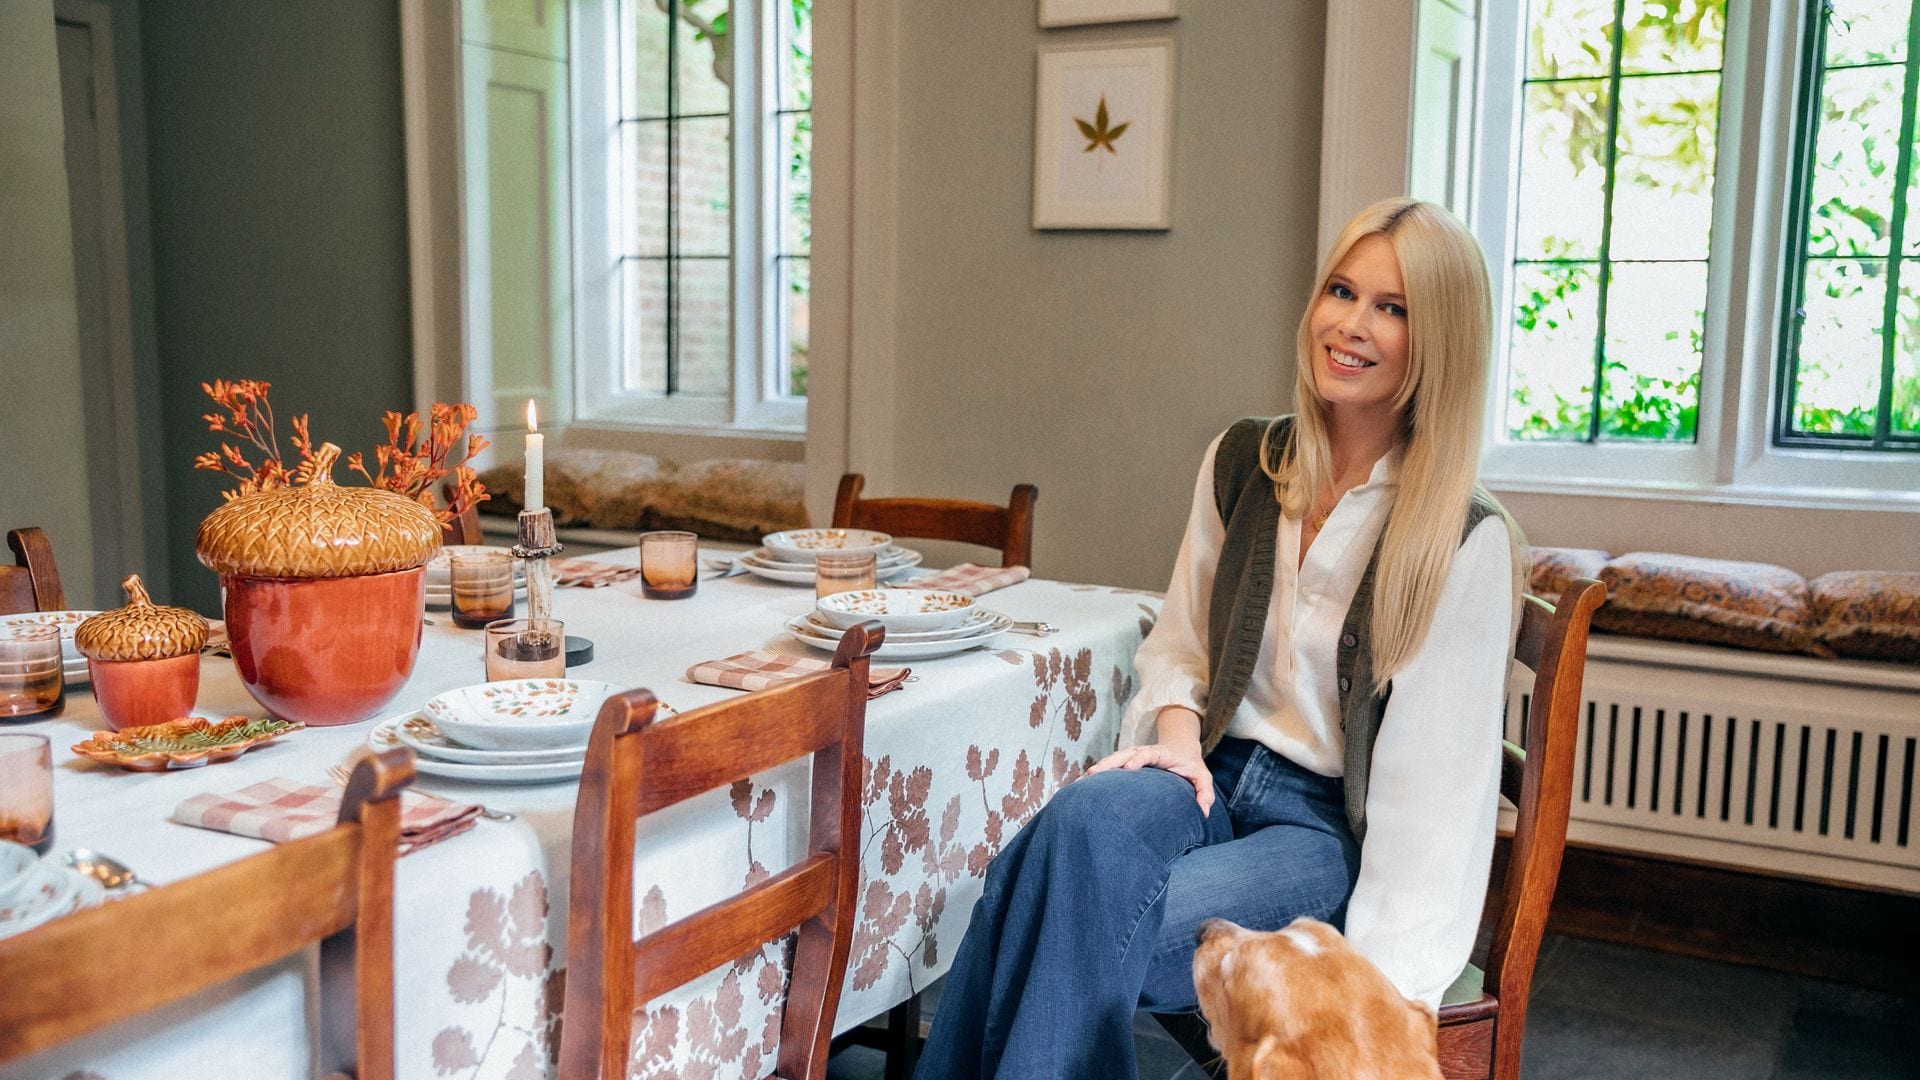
(385, 736)
(186, 743)
(50, 892)
(802, 574)
(520, 714)
(804, 631)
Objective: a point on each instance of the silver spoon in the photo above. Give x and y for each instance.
(105, 869)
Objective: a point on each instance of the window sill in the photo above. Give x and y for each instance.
(1806, 498)
(771, 432)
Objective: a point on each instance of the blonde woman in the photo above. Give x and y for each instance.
(1317, 731)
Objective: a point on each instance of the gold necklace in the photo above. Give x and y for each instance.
(1320, 516)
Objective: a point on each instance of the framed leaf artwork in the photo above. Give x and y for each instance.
(1103, 136)
(1082, 12)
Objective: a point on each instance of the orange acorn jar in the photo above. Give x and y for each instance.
(143, 659)
(325, 587)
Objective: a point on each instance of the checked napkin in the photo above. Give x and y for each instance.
(759, 670)
(591, 573)
(280, 810)
(971, 579)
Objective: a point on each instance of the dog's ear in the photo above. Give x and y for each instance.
(1272, 1061)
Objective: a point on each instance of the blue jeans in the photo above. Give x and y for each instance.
(1090, 912)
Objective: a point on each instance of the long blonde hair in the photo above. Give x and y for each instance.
(1442, 406)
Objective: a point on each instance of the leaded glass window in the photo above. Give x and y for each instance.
(1619, 124)
(1850, 360)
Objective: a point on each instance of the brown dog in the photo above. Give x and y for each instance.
(1302, 1002)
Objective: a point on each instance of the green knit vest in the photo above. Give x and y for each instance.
(1243, 588)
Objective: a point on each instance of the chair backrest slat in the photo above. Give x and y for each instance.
(705, 748)
(101, 965)
(1007, 529)
(725, 931)
(636, 765)
(33, 584)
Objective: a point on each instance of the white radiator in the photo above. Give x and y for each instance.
(1787, 764)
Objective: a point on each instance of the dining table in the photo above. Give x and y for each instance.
(954, 763)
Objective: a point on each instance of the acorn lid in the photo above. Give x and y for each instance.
(142, 630)
(318, 530)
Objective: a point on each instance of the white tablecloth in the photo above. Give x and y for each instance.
(956, 762)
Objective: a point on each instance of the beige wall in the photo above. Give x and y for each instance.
(1096, 364)
(41, 412)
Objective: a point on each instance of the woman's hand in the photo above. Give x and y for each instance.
(1181, 757)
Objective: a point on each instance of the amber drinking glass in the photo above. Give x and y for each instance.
(31, 682)
(481, 584)
(837, 572)
(26, 790)
(526, 649)
(667, 564)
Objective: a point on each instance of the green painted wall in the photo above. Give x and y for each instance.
(42, 417)
(276, 174)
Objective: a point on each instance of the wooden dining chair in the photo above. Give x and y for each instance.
(101, 965)
(1483, 1015)
(465, 526)
(34, 583)
(1008, 529)
(638, 764)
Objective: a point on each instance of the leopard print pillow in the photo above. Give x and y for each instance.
(733, 499)
(1555, 568)
(1868, 613)
(603, 489)
(1716, 601)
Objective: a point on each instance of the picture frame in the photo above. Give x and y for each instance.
(1086, 12)
(1103, 136)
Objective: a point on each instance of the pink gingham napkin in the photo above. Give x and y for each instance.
(280, 810)
(759, 670)
(970, 579)
(591, 573)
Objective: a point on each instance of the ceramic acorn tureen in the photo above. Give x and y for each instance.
(324, 591)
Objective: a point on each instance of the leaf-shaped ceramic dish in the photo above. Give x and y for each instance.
(183, 744)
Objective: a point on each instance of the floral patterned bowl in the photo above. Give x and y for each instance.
(804, 545)
(520, 714)
(906, 611)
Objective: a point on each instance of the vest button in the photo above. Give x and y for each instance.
(1345, 684)
(1349, 640)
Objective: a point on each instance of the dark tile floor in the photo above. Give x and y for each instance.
(1613, 1011)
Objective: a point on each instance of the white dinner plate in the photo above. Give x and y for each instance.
(800, 628)
(430, 741)
(979, 621)
(383, 737)
(804, 575)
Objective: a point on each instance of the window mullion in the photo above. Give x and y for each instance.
(1606, 220)
(1896, 237)
(673, 198)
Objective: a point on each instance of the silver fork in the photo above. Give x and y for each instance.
(1037, 629)
(339, 773)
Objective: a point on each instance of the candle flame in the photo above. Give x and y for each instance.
(533, 421)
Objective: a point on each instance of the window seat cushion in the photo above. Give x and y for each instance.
(1555, 568)
(1873, 614)
(727, 499)
(1716, 601)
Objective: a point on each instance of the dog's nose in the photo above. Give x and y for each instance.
(1209, 928)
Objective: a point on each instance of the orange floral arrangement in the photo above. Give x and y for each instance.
(411, 462)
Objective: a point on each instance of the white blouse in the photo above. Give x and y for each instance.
(1434, 787)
